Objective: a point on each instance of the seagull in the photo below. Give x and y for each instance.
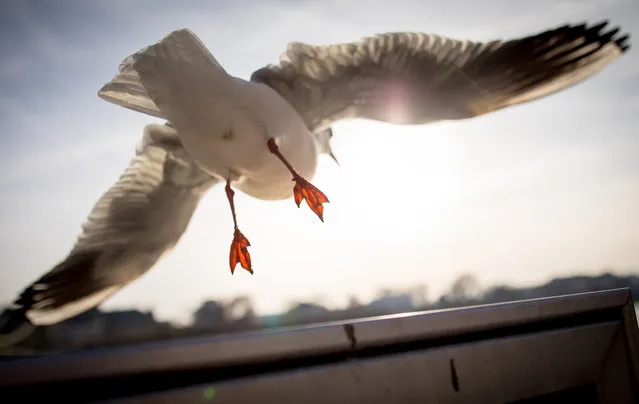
(264, 136)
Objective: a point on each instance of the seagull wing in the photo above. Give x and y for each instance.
(178, 65)
(415, 78)
(140, 218)
(126, 90)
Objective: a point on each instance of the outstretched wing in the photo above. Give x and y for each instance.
(414, 78)
(141, 217)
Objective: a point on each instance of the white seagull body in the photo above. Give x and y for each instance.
(223, 122)
(219, 126)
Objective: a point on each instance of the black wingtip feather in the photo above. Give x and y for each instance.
(610, 36)
(607, 37)
(596, 28)
(623, 42)
(68, 281)
(15, 327)
(597, 32)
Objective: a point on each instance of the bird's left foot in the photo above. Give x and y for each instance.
(302, 189)
(239, 246)
(239, 252)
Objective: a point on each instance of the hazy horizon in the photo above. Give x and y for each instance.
(545, 189)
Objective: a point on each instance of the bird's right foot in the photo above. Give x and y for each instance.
(302, 189)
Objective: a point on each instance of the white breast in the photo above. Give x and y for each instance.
(226, 134)
(264, 113)
(224, 122)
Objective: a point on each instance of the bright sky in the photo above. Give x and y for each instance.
(519, 196)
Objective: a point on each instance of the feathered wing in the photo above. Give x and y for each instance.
(189, 86)
(181, 51)
(141, 217)
(126, 90)
(415, 78)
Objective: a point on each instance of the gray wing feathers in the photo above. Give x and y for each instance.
(141, 217)
(152, 200)
(126, 90)
(415, 78)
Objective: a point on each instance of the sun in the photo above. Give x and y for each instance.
(391, 174)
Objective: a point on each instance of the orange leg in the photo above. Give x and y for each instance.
(240, 244)
(302, 189)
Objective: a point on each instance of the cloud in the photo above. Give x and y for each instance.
(28, 41)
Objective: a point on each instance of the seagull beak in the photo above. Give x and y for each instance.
(333, 157)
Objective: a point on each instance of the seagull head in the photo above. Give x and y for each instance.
(323, 139)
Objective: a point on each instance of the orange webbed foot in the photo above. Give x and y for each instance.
(314, 197)
(303, 189)
(239, 246)
(239, 252)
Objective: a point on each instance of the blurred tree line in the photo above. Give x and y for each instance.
(97, 328)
